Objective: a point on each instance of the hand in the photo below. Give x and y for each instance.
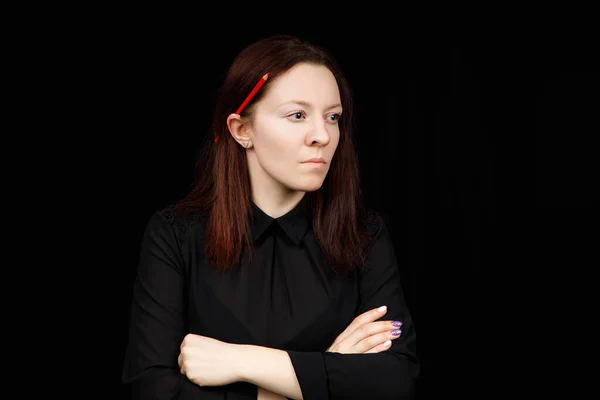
(208, 362)
(264, 394)
(364, 335)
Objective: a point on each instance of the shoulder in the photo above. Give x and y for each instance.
(374, 222)
(380, 239)
(381, 256)
(174, 222)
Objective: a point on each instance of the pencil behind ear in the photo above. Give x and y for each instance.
(252, 94)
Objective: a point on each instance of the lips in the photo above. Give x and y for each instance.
(315, 160)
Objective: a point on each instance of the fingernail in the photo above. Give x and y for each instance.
(396, 332)
(387, 342)
(382, 308)
(397, 323)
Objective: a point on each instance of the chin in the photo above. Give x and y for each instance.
(308, 187)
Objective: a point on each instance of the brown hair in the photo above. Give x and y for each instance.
(222, 187)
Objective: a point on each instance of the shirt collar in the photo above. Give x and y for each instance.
(294, 223)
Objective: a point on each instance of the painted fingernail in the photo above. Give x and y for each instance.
(396, 332)
(382, 309)
(397, 323)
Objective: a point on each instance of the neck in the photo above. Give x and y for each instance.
(273, 203)
(270, 196)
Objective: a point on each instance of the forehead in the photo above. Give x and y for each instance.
(305, 82)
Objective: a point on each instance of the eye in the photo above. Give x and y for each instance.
(334, 117)
(296, 116)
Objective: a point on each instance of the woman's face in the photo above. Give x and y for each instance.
(295, 121)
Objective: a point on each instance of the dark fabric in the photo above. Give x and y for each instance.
(286, 298)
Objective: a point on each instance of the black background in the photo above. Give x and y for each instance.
(475, 144)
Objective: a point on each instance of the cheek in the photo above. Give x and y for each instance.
(277, 145)
(279, 152)
(334, 140)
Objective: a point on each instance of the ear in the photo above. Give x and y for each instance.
(239, 130)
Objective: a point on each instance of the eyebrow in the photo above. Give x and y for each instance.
(307, 104)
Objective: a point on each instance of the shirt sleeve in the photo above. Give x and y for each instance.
(157, 323)
(387, 375)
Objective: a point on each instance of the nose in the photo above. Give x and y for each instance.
(318, 134)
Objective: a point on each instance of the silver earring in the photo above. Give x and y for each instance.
(245, 144)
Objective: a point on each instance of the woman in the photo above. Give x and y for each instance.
(269, 279)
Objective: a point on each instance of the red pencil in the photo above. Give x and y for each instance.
(252, 93)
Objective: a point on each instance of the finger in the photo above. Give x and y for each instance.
(179, 360)
(372, 341)
(364, 318)
(380, 347)
(371, 329)
(189, 339)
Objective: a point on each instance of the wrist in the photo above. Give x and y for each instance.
(243, 362)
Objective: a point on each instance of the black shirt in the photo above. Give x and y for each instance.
(287, 298)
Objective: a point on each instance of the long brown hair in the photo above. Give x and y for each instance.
(221, 190)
